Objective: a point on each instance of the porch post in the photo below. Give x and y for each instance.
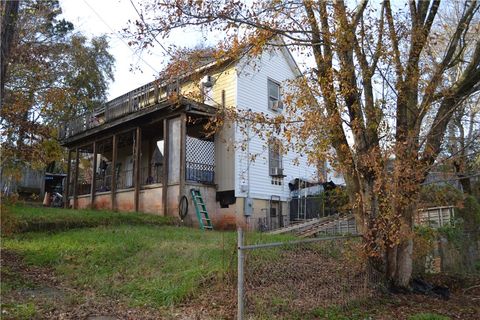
(166, 141)
(94, 176)
(183, 142)
(75, 179)
(138, 152)
(66, 202)
(151, 145)
(114, 170)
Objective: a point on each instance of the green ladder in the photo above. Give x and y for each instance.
(201, 210)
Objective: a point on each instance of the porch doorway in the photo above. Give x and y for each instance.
(276, 214)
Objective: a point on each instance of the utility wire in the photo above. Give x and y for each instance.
(154, 37)
(120, 38)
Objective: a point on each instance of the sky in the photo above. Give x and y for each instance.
(97, 17)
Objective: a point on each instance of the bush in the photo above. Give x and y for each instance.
(470, 213)
(8, 222)
(423, 242)
(438, 195)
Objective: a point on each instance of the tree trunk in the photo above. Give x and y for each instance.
(404, 267)
(391, 263)
(9, 17)
(465, 182)
(400, 257)
(460, 167)
(353, 189)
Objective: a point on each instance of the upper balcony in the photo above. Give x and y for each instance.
(141, 98)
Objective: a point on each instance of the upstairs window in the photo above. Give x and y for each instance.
(275, 158)
(274, 96)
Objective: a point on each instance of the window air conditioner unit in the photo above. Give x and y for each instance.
(275, 105)
(276, 172)
(207, 81)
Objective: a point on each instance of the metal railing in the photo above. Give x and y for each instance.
(269, 222)
(199, 172)
(125, 179)
(83, 188)
(151, 175)
(103, 182)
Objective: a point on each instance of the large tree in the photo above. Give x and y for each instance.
(52, 73)
(380, 90)
(9, 13)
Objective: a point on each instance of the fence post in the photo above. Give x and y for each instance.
(440, 218)
(240, 275)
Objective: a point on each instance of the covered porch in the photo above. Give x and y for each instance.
(143, 162)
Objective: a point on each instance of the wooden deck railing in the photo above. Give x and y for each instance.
(140, 98)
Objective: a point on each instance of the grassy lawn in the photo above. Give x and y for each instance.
(143, 264)
(149, 267)
(131, 256)
(141, 259)
(27, 218)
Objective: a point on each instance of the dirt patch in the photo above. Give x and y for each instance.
(308, 282)
(459, 306)
(302, 279)
(216, 299)
(14, 270)
(52, 299)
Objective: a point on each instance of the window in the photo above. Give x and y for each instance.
(275, 158)
(277, 181)
(274, 95)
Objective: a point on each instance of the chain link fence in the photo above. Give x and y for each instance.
(300, 277)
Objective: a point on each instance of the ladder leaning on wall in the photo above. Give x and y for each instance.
(201, 210)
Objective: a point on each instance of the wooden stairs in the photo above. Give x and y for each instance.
(331, 225)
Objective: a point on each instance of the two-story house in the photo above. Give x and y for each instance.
(145, 150)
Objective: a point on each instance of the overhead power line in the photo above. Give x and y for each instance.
(118, 37)
(154, 37)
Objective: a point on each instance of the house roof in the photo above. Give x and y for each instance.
(82, 127)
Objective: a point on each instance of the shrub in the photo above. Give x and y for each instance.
(423, 243)
(8, 222)
(440, 195)
(470, 212)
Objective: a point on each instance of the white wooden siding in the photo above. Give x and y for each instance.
(224, 80)
(252, 94)
(225, 139)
